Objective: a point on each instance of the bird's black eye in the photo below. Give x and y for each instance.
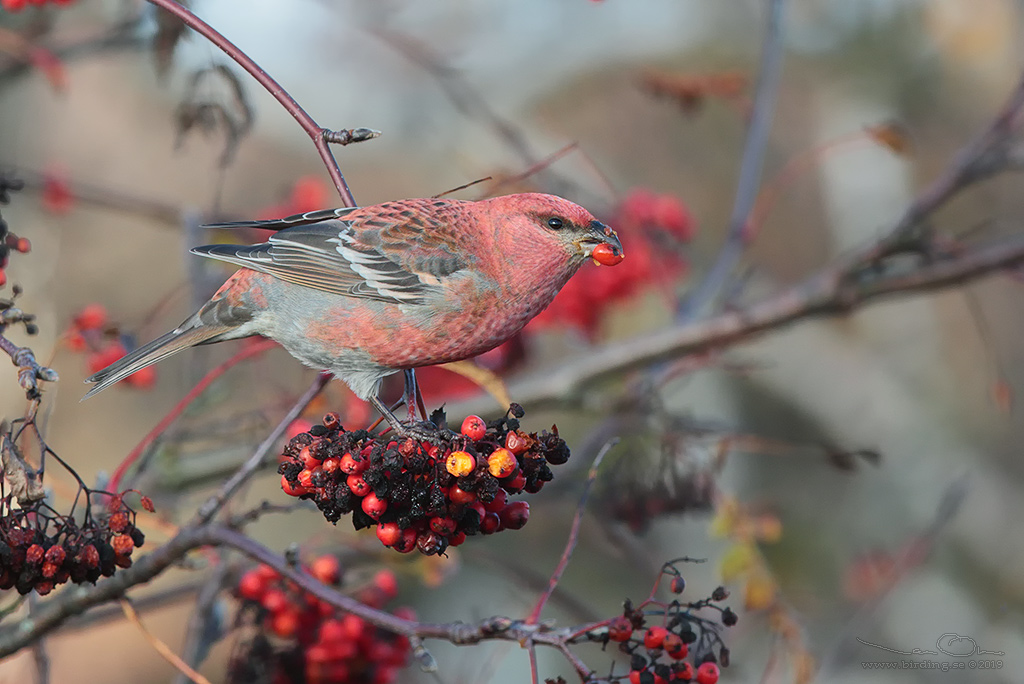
(555, 223)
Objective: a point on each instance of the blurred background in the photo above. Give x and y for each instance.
(851, 478)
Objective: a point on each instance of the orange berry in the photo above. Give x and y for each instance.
(460, 463)
(502, 463)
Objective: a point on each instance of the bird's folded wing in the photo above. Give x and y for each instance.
(395, 258)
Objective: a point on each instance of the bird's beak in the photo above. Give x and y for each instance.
(599, 234)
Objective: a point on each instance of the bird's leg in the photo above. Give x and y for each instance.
(426, 431)
(410, 393)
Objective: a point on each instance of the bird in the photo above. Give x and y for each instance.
(365, 292)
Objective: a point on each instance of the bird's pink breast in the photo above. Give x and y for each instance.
(469, 323)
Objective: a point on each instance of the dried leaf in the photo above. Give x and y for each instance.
(24, 481)
(216, 101)
(737, 561)
(759, 592)
(487, 380)
(891, 135)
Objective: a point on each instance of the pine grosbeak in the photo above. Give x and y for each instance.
(366, 292)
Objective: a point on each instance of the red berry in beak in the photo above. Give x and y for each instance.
(606, 255)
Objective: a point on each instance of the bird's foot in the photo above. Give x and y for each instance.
(424, 432)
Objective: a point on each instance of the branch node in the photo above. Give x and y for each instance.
(347, 136)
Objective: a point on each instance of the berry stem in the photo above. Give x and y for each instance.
(570, 545)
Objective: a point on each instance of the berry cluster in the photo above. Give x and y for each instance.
(421, 495)
(92, 331)
(40, 549)
(681, 647)
(299, 638)
(18, 5)
(9, 241)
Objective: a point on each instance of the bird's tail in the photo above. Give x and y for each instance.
(188, 334)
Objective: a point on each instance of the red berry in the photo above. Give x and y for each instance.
(331, 630)
(147, 504)
(634, 676)
(373, 506)
(305, 478)
(406, 542)
(275, 600)
(49, 569)
(515, 515)
(496, 504)
(123, 545)
(654, 637)
(707, 673)
(459, 496)
(387, 583)
(56, 554)
(490, 523)
(292, 489)
(606, 255)
(92, 317)
(517, 442)
(683, 672)
(13, 5)
(358, 485)
(350, 466)
(442, 526)
(327, 569)
(388, 533)
(330, 465)
(307, 458)
(675, 647)
(23, 245)
(285, 624)
(34, 554)
(620, 629)
(252, 586)
(474, 427)
(44, 588)
(89, 557)
(457, 538)
(515, 483)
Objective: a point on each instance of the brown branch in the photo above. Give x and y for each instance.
(832, 293)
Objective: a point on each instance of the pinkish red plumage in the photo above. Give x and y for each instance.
(369, 291)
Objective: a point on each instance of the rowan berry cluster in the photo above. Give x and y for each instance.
(9, 242)
(18, 5)
(681, 647)
(41, 549)
(92, 331)
(299, 638)
(421, 495)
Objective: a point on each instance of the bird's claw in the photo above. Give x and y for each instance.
(424, 432)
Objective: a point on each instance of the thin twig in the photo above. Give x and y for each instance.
(160, 647)
(574, 534)
(197, 644)
(750, 167)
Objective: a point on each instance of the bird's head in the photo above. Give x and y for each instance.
(557, 224)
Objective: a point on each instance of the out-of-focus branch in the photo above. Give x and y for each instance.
(750, 167)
